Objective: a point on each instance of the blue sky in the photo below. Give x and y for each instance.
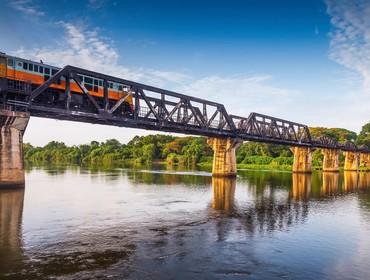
(307, 61)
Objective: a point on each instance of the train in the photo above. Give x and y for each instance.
(19, 71)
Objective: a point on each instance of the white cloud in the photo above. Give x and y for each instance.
(27, 7)
(350, 40)
(242, 94)
(87, 49)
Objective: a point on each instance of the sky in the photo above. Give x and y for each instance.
(305, 61)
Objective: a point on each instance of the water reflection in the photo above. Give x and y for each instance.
(330, 183)
(11, 207)
(140, 223)
(223, 193)
(301, 186)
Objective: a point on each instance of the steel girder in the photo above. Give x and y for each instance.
(163, 110)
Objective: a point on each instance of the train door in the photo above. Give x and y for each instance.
(2, 66)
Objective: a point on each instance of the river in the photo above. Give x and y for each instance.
(158, 223)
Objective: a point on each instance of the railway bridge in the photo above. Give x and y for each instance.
(154, 109)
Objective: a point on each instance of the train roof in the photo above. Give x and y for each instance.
(29, 61)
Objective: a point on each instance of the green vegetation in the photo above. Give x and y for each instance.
(185, 151)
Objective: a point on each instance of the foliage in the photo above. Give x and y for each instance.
(364, 136)
(340, 134)
(181, 150)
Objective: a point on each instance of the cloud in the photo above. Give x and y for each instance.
(26, 7)
(96, 4)
(350, 40)
(86, 49)
(242, 94)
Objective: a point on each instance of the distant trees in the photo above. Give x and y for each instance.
(180, 150)
(364, 136)
(144, 149)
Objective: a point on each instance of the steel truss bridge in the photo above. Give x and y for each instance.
(156, 109)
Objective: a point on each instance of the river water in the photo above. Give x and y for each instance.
(74, 223)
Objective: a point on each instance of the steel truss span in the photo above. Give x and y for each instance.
(153, 109)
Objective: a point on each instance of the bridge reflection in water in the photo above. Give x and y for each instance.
(257, 203)
(11, 210)
(274, 209)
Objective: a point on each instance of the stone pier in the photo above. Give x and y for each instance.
(331, 160)
(365, 161)
(302, 161)
(12, 127)
(351, 161)
(224, 159)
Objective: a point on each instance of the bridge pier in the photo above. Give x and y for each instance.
(224, 159)
(351, 161)
(302, 161)
(12, 127)
(331, 160)
(365, 161)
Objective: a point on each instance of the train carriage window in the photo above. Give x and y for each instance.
(30, 67)
(10, 62)
(120, 88)
(36, 68)
(80, 77)
(47, 71)
(88, 87)
(96, 85)
(88, 80)
(100, 83)
(25, 65)
(53, 71)
(41, 69)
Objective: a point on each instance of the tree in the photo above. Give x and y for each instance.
(364, 136)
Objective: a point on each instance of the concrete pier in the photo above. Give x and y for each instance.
(351, 161)
(365, 161)
(224, 159)
(302, 161)
(331, 160)
(12, 127)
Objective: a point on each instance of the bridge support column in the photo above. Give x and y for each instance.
(365, 161)
(12, 127)
(351, 161)
(302, 161)
(331, 160)
(224, 159)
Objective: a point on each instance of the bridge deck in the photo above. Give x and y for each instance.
(156, 109)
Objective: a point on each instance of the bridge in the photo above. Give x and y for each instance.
(156, 109)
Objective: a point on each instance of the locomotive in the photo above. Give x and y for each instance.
(22, 74)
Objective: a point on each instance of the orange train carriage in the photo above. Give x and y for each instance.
(36, 73)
